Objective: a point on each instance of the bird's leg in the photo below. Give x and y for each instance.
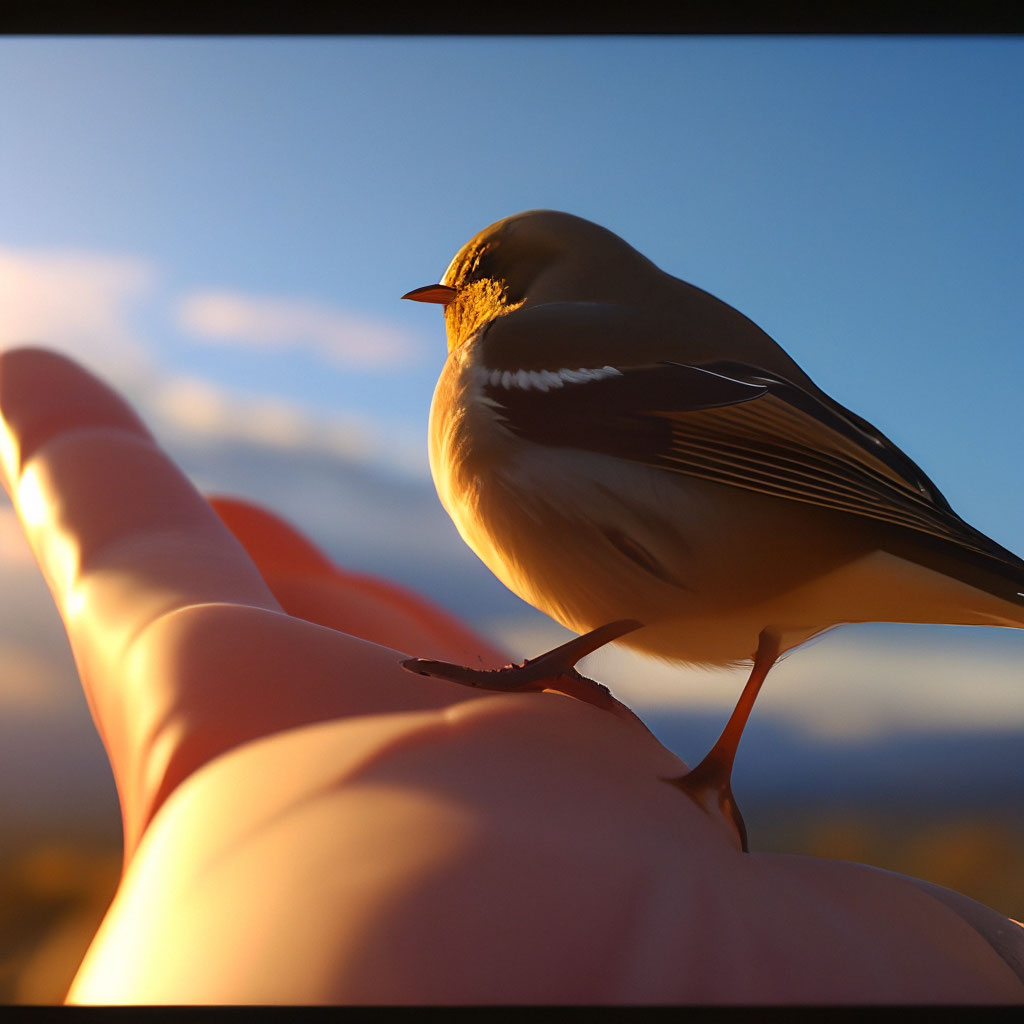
(537, 673)
(709, 785)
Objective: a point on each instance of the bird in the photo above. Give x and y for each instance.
(643, 463)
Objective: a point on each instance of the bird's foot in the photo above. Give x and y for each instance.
(709, 785)
(537, 673)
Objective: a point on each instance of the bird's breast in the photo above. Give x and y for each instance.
(467, 439)
(581, 536)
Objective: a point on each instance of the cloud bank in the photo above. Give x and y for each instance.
(87, 305)
(278, 324)
(79, 302)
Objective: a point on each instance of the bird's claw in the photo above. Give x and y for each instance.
(709, 787)
(537, 673)
(503, 680)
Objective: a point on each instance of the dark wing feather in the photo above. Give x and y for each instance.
(746, 427)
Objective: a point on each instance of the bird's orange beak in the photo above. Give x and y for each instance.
(440, 293)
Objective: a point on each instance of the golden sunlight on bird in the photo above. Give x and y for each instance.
(630, 454)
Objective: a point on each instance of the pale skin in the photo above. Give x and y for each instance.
(306, 822)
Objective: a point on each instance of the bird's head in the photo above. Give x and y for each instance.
(528, 259)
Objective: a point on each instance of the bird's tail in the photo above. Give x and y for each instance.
(990, 589)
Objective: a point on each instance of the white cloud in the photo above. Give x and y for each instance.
(79, 302)
(198, 409)
(855, 682)
(876, 678)
(83, 303)
(275, 324)
(198, 406)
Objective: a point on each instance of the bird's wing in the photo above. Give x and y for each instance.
(743, 426)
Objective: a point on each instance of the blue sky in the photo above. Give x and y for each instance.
(223, 227)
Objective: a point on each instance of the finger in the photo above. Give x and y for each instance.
(121, 535)
(308, 585)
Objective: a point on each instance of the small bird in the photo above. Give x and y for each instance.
(636, 458)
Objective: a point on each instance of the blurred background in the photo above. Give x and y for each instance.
(222, 228)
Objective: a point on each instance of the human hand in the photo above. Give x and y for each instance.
(306, 822)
